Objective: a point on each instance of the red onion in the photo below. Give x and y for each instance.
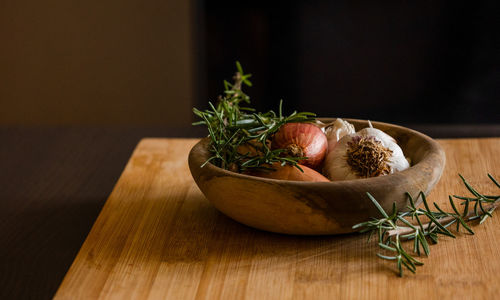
(302, 140)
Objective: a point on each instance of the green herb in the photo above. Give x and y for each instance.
(231, 125)
(392, 229)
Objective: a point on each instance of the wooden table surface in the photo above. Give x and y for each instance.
(158, 237)
(54, 181)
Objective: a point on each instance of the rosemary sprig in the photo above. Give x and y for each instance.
(231, 125)
(394, 228)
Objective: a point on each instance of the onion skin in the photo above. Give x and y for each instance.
(288, 172)
(302, 140)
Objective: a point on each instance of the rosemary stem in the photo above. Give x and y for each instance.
(404, 230)
(390, 233)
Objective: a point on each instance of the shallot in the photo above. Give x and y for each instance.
(288, 172)
(302, 140)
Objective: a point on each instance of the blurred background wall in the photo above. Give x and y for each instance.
(68, 62)
(396, 61)
(143, 63)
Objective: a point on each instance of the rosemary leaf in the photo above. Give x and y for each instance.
(390, 234)
(231, 125)
(380, 209)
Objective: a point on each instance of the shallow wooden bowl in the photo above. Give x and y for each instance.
(315, 208)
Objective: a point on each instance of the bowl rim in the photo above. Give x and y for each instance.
(380, 180)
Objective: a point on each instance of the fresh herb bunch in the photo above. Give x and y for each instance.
(231, 125)
(392, 229)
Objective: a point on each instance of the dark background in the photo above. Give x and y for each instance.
(405, 62)
(81, 82)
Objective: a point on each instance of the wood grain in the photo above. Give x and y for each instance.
(54, 182)
(158, 237)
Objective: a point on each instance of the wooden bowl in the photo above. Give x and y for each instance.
(316, 208)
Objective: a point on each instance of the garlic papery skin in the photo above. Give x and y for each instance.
(337, 130)
(369, 152)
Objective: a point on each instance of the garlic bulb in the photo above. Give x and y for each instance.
(367, 153)
(336, 130)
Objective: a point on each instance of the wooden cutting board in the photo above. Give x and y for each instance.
(157, 237)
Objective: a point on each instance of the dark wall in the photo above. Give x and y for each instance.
(68, 62)
(144, 63)
(416, 62)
